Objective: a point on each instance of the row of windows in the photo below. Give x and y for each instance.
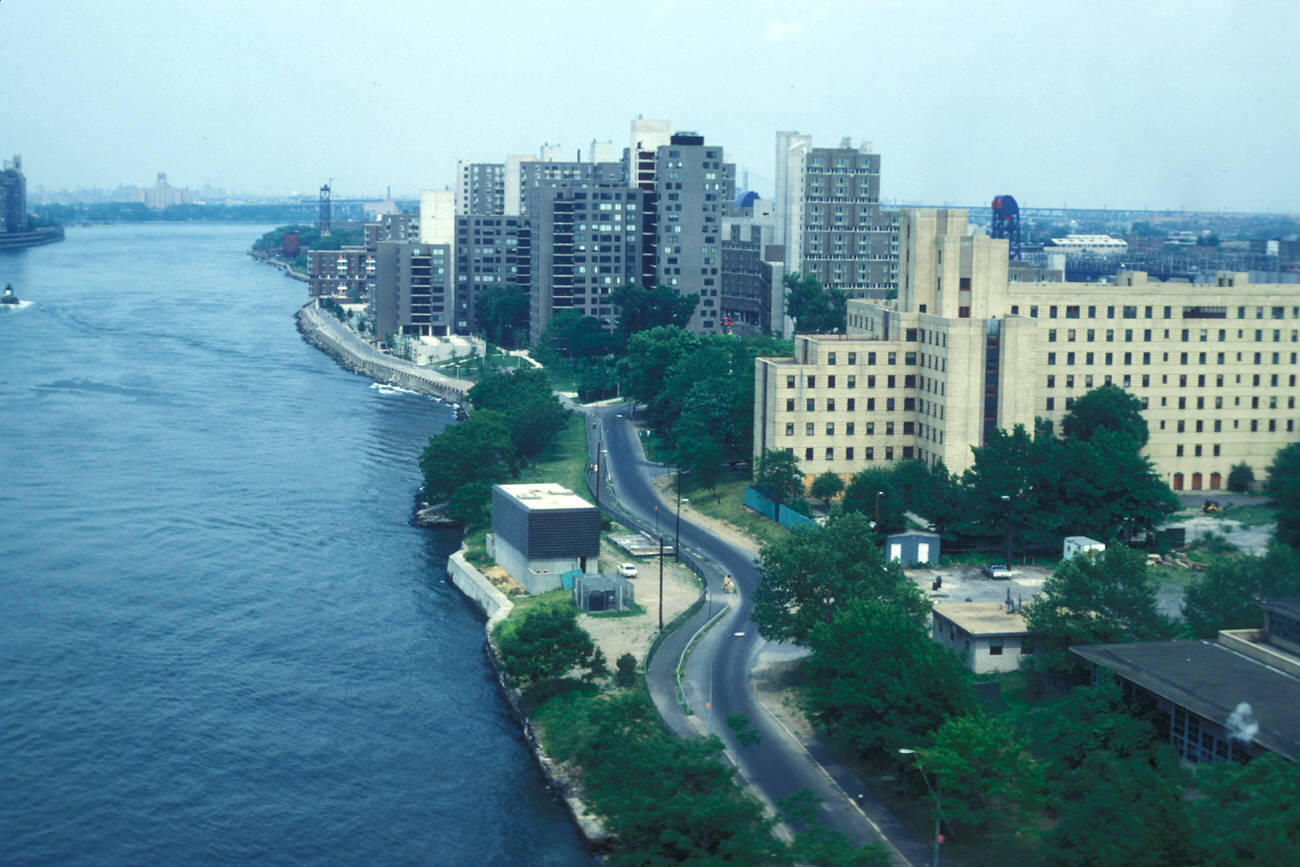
(868, 453)
(850, 428)
(851, 381)
(1183, 358)
(1257, 380)
(1130, 311)
(850, 404)
(1090, 335)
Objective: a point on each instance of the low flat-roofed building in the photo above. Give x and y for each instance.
(540, 531)
(1232, 698)
(985, 635)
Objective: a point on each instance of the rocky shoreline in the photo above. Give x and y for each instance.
(496, 607)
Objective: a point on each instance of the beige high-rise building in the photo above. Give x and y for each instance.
(964, 350)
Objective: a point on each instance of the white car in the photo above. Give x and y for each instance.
(627, 570)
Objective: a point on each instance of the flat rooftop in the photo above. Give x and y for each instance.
(1210, 680)
(546, 495)
(983, 618)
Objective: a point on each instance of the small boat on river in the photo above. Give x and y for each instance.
(9, 297)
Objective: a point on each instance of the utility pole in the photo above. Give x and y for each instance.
(677, 528)
(598, 444)
(661, 583)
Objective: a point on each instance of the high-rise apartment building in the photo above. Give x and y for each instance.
(829, 218)
(966, 350)
(586, 242)
(480, 188)
(415, 280)
(490, 250)
(13, 196)
(694, 189)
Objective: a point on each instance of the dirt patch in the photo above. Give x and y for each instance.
(778, 685)
(618, 634)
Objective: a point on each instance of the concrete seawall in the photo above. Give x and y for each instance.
(492, 602)
(338, 342)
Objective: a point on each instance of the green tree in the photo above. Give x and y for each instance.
(1094, 600)
(1249, 814)
(700, 455)
(826, 487)
(625, 674)
(816, 845)
(650, 354)
(544, 645)
(478, 449)
(1114, 812)
(873, 492)
(642, 308)
(879, 682)
(1240, 477)
(502, 314)
(816, 570)
(1283, 485)
(815, 310)
(471, 504)
(778, 476)
(1026, 470)
(524, 397)
(990, 783)
(1106, 408)
(1224, 596)
(666, 800)
(1090, 720)
(569, 334)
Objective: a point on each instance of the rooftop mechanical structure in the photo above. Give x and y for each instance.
(1006, 223)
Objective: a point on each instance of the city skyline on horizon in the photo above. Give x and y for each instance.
(962, 103)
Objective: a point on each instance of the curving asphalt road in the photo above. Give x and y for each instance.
(778, 765)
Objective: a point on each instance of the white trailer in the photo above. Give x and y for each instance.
(1081, 544)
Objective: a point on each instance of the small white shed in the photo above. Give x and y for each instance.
(1081, 545)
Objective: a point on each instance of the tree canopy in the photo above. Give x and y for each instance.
(1107, 599)
(817, 570)
(478, 449)
(1283, 486)
(879, 682)
(1106, 408)
(815, 310)
(524, 397)
(778, 476)
(642, 308)
(502, 314)
(1224, 596)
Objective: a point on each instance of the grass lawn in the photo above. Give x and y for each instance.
(475, 366)
(730, 507)
(1251, 516)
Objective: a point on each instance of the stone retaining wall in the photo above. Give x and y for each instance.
(335, 340)
(483, 593)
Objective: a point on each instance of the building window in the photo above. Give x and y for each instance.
(848, 453)
(789, 428)
(811, 404)
(995, 647)
(789, 404)
(808, 453)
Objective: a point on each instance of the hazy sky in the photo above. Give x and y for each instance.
(1123, 104)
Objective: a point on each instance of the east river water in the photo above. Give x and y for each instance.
(220, 641)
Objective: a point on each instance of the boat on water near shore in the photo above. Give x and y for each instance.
(9, 297)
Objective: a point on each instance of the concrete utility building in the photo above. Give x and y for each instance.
(964, 350)
(1233, 698)
(986, 636)
(541, 531)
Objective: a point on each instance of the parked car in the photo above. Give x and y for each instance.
(996, 570)
(627, 570)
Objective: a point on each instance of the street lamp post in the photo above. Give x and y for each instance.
(1006, 510)
(879, 494)
(934, 793)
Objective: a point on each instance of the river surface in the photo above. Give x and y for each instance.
(220, 641)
